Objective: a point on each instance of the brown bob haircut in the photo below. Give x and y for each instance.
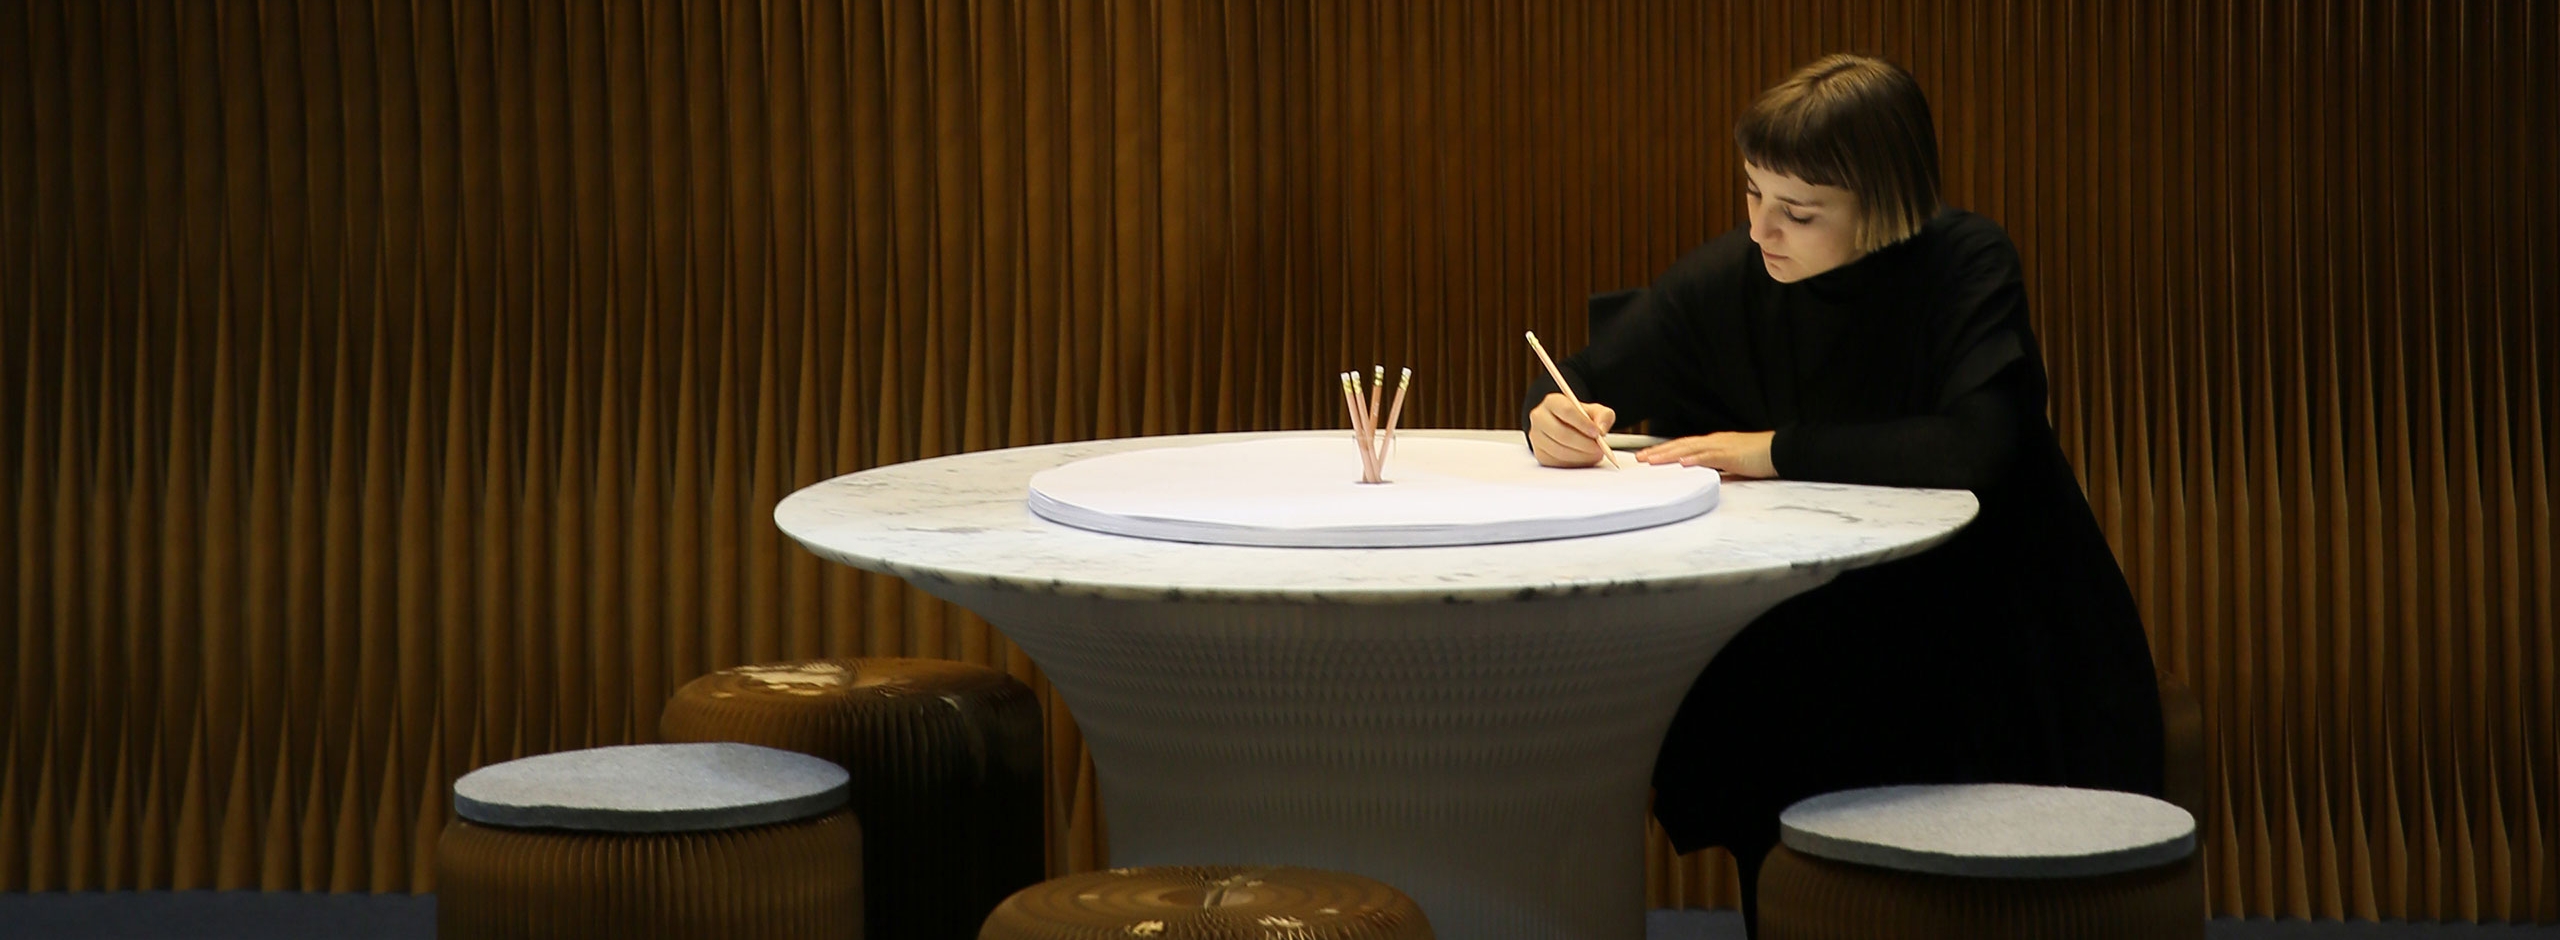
(1857, 123)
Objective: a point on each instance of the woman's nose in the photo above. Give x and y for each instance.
(1764, 226)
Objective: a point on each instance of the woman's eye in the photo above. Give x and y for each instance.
(1797, 219)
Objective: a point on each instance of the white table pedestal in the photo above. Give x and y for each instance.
(1493, 766)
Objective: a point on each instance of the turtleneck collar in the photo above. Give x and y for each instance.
(1852, 279)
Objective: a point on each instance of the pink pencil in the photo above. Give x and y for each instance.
(1351, 400)
(1377, 392)
(1389, 445)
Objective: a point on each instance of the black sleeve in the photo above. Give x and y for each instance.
(1967, 445)
(1982, 333)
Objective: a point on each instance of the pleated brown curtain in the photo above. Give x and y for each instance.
(396, 387)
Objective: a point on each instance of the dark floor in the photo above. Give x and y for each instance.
(244, 915)
(1726, 925)
(216, 915)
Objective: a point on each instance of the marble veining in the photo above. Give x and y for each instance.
(964, 520)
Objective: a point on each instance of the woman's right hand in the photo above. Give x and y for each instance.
(1561, 437)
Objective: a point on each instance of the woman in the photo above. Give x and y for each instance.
(1855, 331)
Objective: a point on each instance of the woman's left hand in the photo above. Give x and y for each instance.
(1736, 453)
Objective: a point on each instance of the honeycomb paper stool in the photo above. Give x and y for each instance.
(1208, 903)
(683, 842)
(945, 764)
(1982, 860)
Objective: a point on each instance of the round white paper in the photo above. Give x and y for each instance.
(1306, 492)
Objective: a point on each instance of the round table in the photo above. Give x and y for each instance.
(1474, 725)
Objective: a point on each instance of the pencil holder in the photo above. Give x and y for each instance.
(1376, 443)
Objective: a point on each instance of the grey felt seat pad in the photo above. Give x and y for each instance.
(652, 788)
(1991, 830)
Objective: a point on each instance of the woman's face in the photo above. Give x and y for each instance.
(1802, 229)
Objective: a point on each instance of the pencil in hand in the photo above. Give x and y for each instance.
(1562, 386)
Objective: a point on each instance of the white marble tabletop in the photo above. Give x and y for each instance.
(964, 519)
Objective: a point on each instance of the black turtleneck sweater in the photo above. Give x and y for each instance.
(2013, 652)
